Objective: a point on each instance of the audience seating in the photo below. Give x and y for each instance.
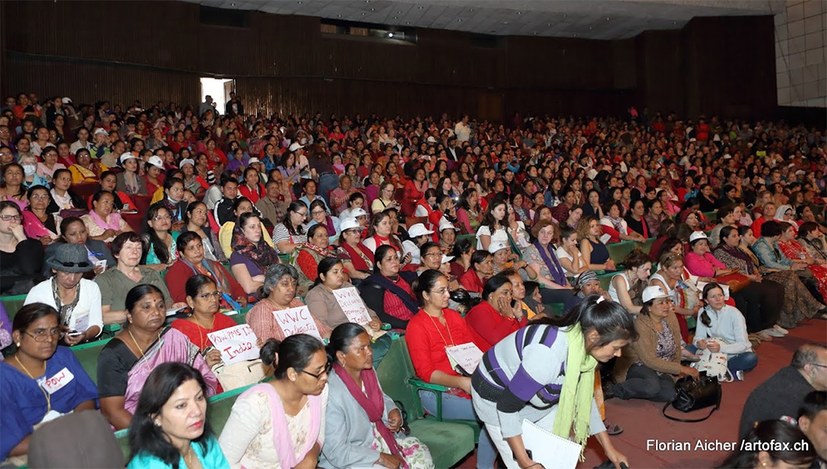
(87, 355)
(449, 441)
(13, 304)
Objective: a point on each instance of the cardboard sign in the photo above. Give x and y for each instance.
(464, 357)
(297, 321)
(352, 305)
(236, 344)
(58, 381)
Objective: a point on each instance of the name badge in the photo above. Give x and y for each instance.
(58, 381)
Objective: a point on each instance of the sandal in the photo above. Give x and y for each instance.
(613, 429)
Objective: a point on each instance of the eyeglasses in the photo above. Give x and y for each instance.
(820, 365)
(83, 264)
(206, 296)
(41, 197)
(44, 335)
(10, 217)
(304, 214)
(326, 370)
(163, 218)
(317, 212)
(432, 254)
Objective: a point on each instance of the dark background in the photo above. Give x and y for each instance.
(123, 51)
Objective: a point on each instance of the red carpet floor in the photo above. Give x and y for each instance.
(643, 423)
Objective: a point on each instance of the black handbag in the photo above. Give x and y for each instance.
(691, 394)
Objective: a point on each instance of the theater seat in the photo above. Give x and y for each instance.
(449, 441)
(87, 355)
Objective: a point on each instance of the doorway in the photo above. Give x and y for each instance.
(219, 89)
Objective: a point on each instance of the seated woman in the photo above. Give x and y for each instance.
(159, 238)
(38, 223)
(103, 223)
(500, 224)
(310, 254)
(615, 227)
(480, 268)
(291, 232)
(76, 299)
(463, 250)
(13, 188)
(174, 200)
(115, 283)
(636, 220)
(36, 332)
(339, 196)
(385, 199)
(648, 367)
(251, 254)
(358, 260)
(203, 299)
(73, 231)
(568, 252)
(626, 287)
(504, 260)
(592, 244)
(381, 233)
(794, 249)
(162, 433)
(721, 328)
(109, 183)
(192, 261)
(497, 315)
(431, 330)
(762, 304)
(388, 291)
(356, 402)
(63, 198)
(541, 258)
(241, 205)
(278, 293)
(46, 168)
(196, 219)
(321, 301)
(129, 181)
(126, 361)
(670, 272)
(86, 170)
(280, 423)
(320, 216)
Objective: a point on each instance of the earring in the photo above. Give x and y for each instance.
(17, 344)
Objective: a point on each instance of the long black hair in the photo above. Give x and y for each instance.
(610, 320)
(158, 246)
(295, 352)
(147, 437)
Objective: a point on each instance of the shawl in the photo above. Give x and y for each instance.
(212, 270)
(86, 173)
(725, 251)
(281, 436)
(390, 286)
(617, 223)
(577, 392)
(260, 253)
(360, 256)
(112, 222)
(554, 267)
(373, 403)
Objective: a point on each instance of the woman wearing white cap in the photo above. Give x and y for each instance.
(419, 235)
(648, 367)
(357, 259)
(129, 181)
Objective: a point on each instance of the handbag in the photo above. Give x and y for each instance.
(736, 281)
(239, 374)
(691, 394)
(688, 294)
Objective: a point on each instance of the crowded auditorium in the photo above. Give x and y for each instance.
(397, 234)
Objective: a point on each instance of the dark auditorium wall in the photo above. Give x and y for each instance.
(158, 50)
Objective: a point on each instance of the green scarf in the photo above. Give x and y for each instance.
(575, 406)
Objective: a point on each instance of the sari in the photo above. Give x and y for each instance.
(794, 250)
(171, 346)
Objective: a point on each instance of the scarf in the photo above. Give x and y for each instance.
(331, 230)
(372, 402)
(112, 222)
(360, 256)
(553, 265)
(62, 201)
(260, 253)
(65, 310)
(278, 419)
(577, 392)
(738, 254)
(208, 269)
(617, 223)
(818, 246)
(391, 286)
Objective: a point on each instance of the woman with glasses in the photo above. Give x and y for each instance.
(385, 199)
(358, 259)
(311, 253)
(319, 216)
(388, 291)
(103, 223)
(38, 223)
(193, 261)
(76, 299)
(204, 300)
(26, 402)
(144, 343)
(281, 423)
(291, 232)
(160, 239)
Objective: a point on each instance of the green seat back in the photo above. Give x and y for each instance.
(87, 355)
(472, 237)
(13, 304)
(712, 216)
(619, 251)
(646, 246)
(394, 372)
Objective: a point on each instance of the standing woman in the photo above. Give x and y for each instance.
(521, 378)
(160, 239)
(357, 402)
(170, 427)
(36, 333)
(281, 424)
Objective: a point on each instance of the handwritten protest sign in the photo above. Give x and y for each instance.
(297, 321)
(464, 357)
(236, 344)
(352, 305)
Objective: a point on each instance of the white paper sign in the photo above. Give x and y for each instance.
(236, 344)
(467, 356)
(549, 449)
(352, 305)
(58, 381)
(297, 321)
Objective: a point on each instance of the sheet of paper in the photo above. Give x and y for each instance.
(297, 321)
(236, 344)
(467, 356)
(352, 305)
(549, 449)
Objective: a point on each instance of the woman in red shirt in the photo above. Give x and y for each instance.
(431, 330)
(497, 315)
(414, 190)
(482, 266)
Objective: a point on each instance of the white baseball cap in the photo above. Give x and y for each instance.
(496, 246)
(295, 146)
(447, 259)
(156, 161)
(696, 235)
(186, 161)
(418, 230)
(358, 212)
(349, 224)
(446, 225)
(101, 131)
(653, 293)
(124, 157)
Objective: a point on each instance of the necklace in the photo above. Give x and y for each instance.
(445, 342)
(128, 331)
(201, 343)
(45, 394)
(188, 457)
